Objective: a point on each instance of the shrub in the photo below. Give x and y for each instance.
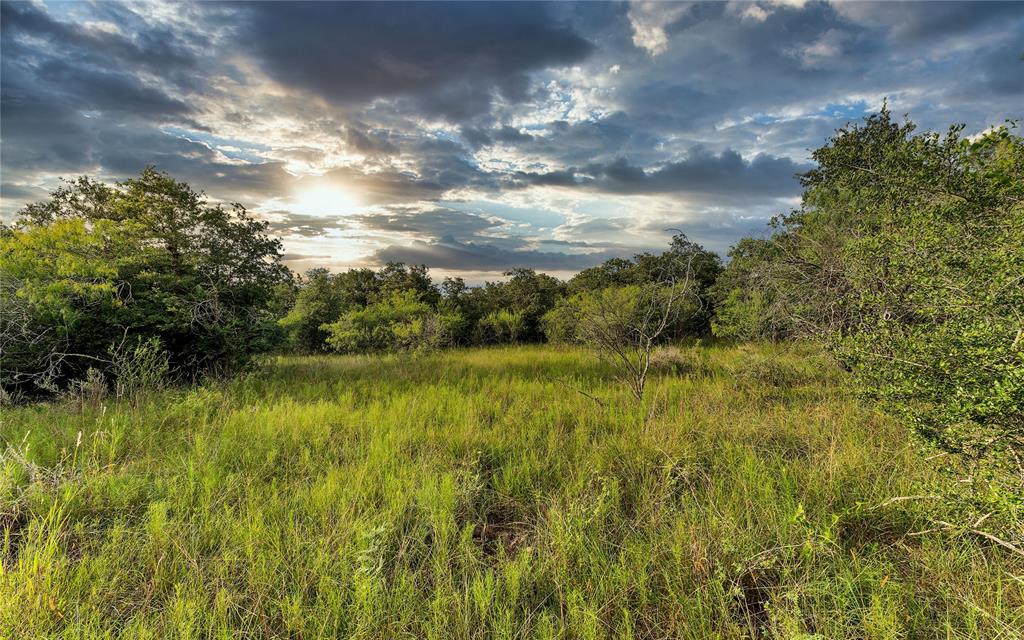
(400, 322)
(501, 327)
(624, 324)
(742, 315)
(561, 324)
(904, 259)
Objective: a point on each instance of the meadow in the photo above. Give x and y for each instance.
(489, 493)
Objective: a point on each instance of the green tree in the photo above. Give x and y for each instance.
(98, 264)
(322, 298)
(624, 324)
(501, 327)
(906, 259)
(746, 306)
(396, 277)
(526, 294)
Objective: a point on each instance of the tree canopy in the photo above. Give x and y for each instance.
(97, 267)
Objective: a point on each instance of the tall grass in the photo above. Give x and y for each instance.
(493, 493)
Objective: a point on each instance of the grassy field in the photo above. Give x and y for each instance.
(484, 493)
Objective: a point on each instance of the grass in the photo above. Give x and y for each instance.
(478, 494)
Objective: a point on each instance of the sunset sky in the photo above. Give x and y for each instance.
(479, 137)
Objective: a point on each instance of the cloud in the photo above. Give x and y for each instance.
(492, 134)
(430, 223)
(449, 59)
(822, 51)
(304, 225)
(450, 254)
(649, 20)
(725, 175)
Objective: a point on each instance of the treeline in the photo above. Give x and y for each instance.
(400, 308)
(145, 280)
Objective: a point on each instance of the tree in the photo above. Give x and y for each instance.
(149, 257)
(625, 323)
(614, 272)
(322, 298)
(746, 305)
(906, 260)
(526, 294)
(501, 327)
(647, 268)
(396, 277)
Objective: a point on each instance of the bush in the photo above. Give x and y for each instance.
(401, 322)
(500, 327)
(904, 259)
(743, 315)
(561, 324)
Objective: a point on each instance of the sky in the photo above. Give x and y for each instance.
(475, 138)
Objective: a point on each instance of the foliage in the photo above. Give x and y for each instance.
(465, 494)
(747, 306)
(517, 309)
(500, 327)
(323, 297)
(561, 324)
(625, 324)
(684, 260)
(906, 259)
(149, 257)
(936, 276)
(400, 322)
(523, 299)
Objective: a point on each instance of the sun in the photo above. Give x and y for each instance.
(323, 199)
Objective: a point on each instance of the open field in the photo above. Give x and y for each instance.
(482, 493)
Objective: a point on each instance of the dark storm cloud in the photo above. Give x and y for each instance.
(65, 86)
(912, 25)
(149, 47)
(448, 58)
(477, 137)
(371, 143)
(726, 174)
(706, 173)
(450, 254)
(722, 63)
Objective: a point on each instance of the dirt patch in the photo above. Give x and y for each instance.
(750, 609)
(13, 526)
(503, 528)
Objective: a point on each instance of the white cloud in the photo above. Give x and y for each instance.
(649, 20)
(754, 12)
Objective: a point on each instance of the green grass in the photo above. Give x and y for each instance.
(478, 494)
